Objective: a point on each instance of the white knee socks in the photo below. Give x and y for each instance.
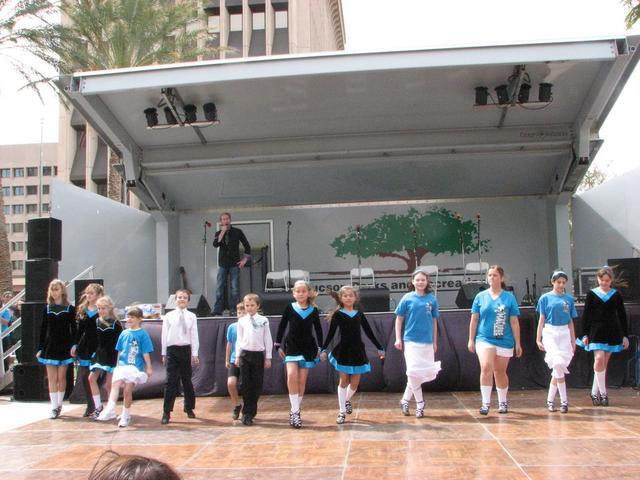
(295, 403)
(602, 385)
(553, 389)
(562, 388)
(485, 391)
(502, 394)
(342, 398)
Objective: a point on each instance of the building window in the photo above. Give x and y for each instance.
(17, 227)
(17, 209)
(45, 189)
(45, 208)
(17, 246)
(46, 171)
(32, 171)
(32, 208)
(32, 189)
(17, 264)
(19, 190)
(18, 172)
(6, 191)
(282, 19)
(6, 209)
(55, 171)
(5, 172)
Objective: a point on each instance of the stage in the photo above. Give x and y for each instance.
(452, 441)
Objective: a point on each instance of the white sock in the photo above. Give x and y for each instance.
(502, 394)
(125, 411)
(417, 393)
(342, 398)
(350, 392)
(485, 391)
(295, 403)
(97, 402)
(111, 406)
(60, 398)
(53, 396)
(602, 385)
(594, 387)
(408, 394)
(562, 388)
(300, 401)
(553, 389)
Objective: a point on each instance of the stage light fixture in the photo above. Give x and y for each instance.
(503, 94)
(544, 92)
(482, 93)
(210, 112)
(152, 117)
(171, 119)
(523, 94)
(190, 113)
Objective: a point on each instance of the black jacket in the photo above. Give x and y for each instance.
(229, 247)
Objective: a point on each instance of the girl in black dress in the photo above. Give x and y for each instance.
(604, 327)
(349, 356)
(85, 347)
(299, 350)
(57, 334)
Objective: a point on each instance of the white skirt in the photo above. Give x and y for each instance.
(419, 358)
(557, 346)
(130, 374)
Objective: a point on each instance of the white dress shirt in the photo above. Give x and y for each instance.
(174, 332)
(254, 335)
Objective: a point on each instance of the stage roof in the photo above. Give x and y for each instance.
(361, 127)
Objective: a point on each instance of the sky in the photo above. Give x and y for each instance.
(409, 24)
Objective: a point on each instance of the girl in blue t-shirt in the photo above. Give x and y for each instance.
(418, 312)
(134, 366)
(556, 336)
(494, 334)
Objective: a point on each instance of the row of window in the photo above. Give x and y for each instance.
(19, 172)
(17, 264)
(21, 209)
(20, 190)
(18, 246)
(18, 227)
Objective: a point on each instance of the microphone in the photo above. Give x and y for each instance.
(207, 223)
(289, 222)
(457, 216)
(358, 228)
(478, 216)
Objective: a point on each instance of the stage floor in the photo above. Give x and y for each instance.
(452, 441)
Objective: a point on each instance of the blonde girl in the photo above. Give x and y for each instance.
(349, 356)
(299, 349)
(57, 336)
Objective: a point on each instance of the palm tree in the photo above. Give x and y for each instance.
(634, 12)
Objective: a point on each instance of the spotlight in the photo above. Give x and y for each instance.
(152, 117)
(190, 113)
(523, 94)
(481, 95)
(210, 112)
(544, 93)
(171, 119)
(503, 94)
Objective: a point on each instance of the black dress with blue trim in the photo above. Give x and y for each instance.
(349, 355)
(87, 337)
(299, 344)
(57, 335)
(106, 356)
(604, 321)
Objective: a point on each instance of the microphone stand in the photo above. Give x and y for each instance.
(359, 261)
(205, 225)
(288, 256)
(415, 247)
(461, 237)
(479, 252)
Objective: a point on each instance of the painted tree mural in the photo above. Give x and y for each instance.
(411, 236)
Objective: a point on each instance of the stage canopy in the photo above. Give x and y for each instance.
(361, 127)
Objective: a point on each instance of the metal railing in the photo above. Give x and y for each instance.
(6, 375)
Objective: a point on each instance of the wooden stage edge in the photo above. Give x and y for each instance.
(451, 441)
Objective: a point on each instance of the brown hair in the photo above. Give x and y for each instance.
(111, 317)
(184, 290)
(113, 466)
(251, 297)
(135, 312)
(412, 288)
(313, 293)
(337, 296)
(61, 284)
(615, 281)
(84, 303)
(500, 271)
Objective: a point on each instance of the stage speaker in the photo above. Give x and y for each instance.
(31, 313)
(80, 285)
(468, 292)
(30, 382)
(38, 274)
(45, 238)
(374, 299)
(627, 270)
(198, 305)
(274, 303)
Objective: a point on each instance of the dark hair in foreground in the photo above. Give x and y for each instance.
(113, 466)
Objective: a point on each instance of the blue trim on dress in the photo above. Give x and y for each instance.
(599, 346)
(66, 310)
(97, 366)
(56, 363)
(349, 369)
(84, 363)
(350, 314)
(603, 296)
(302, 312)
(302, 362)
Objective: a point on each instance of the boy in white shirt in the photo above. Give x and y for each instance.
(179, 351)
(253, 355)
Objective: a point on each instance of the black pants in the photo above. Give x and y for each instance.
(252, 374)
(179, 368)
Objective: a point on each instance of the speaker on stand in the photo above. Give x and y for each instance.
(468, 292)
(197, 304)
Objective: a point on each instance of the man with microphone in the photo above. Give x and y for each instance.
(227, 240)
